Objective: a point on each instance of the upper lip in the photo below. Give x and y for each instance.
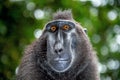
(60, 59)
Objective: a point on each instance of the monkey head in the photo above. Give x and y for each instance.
(63, 52)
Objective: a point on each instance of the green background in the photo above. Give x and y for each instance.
(21, 22)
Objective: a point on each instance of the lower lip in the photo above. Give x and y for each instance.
(61, 60)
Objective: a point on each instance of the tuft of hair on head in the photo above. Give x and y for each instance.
(65, 14)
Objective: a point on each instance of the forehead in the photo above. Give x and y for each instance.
(60, 23)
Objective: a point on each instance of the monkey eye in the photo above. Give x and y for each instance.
(53, 28)
(66, 27)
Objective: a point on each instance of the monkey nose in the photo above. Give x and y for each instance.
(58, 48)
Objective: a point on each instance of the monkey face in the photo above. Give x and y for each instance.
(61, 44)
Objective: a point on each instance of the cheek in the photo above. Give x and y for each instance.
(50, 47)
(70, 41)
(74, 42)
(50, 41)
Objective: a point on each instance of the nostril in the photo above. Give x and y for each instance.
(60, 50)
(56, 51)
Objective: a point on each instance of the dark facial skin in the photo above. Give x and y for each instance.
(61, 43)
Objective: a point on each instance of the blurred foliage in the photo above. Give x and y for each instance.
(21, 21)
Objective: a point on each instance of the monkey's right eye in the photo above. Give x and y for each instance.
(53, 28)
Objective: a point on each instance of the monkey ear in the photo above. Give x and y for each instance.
(85, 29)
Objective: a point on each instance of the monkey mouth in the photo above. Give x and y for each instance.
(60, 64)
(61, 59)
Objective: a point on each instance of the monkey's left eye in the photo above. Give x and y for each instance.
(66, 27)
(53, 28)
